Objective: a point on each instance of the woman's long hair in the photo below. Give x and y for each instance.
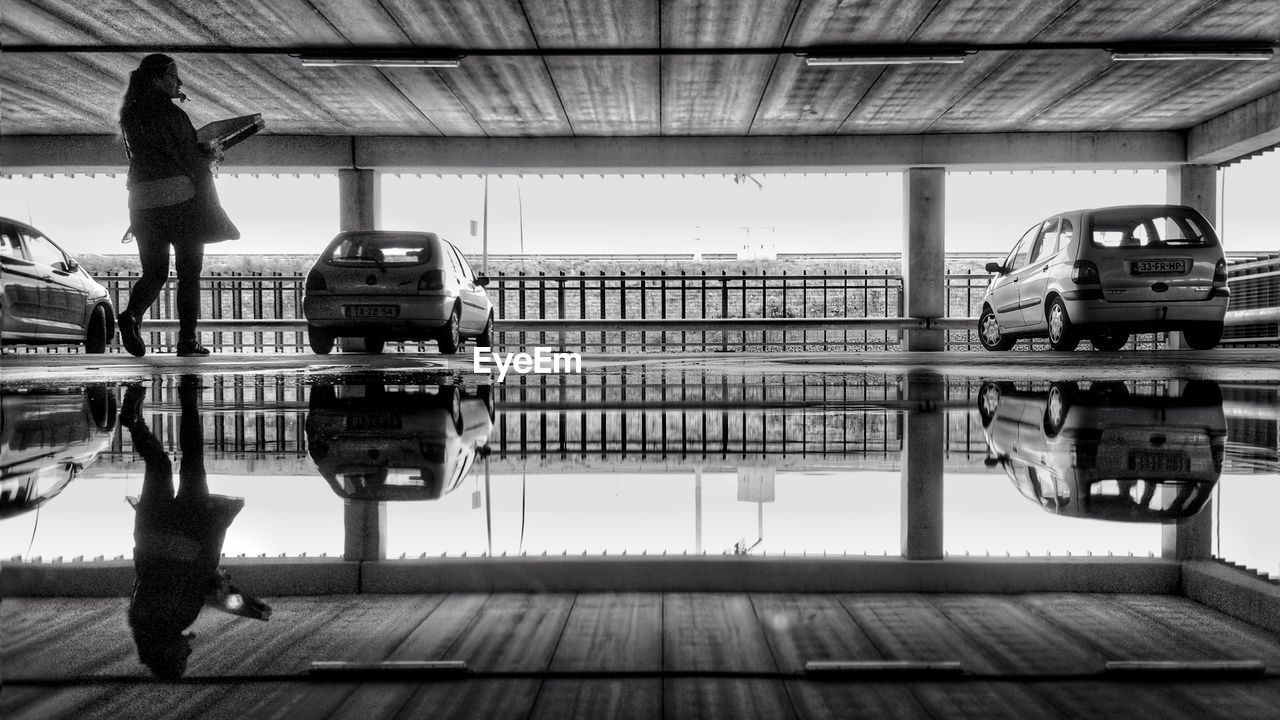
(142, 87)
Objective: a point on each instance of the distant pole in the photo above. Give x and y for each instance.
(484, 241)
(520, 212)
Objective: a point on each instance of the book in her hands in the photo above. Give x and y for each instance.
(229, 132)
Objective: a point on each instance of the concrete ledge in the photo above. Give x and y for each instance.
(755, 574)
(1232, 591)
(114, 578)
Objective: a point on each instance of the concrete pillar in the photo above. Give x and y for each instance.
(1190, 538)
(924, 253)
(923, 450)
(1194, 186)
(365, 526)
(359, 200)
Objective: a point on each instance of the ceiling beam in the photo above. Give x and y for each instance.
(826, 153)
(1236, 133)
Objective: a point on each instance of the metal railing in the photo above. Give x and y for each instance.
(660, 311)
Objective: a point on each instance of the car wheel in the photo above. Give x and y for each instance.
(321, 341)
(453, 401)
(990, 334)
(102, 406)
(374, 345)
(450, 338)
(485, 339)
(988, 402)
(1062, 336)
(1110, 342)
(1204, 336)
(1204, 393)
(1110, 392)
(1056, 407)
(96, 337)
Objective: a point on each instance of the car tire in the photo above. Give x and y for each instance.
(485, 338)
(1202, 393)
(989, 401)
(450, 341)
(102, 406)
(1056, 407)
(1109, 342)
(453, 401)
(990, 334)
(1062, 336)
(96, 336)
(374, 345)
(321, 341)
(1204, 336)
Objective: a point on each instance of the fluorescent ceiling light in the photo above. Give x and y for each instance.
(1174, 55)
(936, 59)
(375, 61)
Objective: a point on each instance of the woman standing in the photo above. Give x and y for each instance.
(172, 201)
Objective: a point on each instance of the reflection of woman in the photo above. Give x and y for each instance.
(171, 200)
(177, 539)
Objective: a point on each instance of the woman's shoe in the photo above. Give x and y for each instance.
(131, 334)
(192, 349)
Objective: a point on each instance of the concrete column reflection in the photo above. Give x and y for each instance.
(365, 525)
(1190, 538)
(924, 261)
(359, 200)
(923, 450)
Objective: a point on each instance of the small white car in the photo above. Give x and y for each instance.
(1103, 274)
(379, 443)
(383, 285)
(1107, 454)
(48, 297)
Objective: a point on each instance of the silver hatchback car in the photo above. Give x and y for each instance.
(1105, 273)
(381, 285)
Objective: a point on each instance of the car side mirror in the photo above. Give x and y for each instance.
(72, 266)
(482, 280)
(995, 267)
(990, 461)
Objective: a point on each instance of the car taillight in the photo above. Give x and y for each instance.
(1085, 272)
(315, 281)
(1220, 271)
(433, 280)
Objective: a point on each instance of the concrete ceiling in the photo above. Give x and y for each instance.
(596, 67)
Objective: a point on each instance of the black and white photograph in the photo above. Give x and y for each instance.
(639, 359)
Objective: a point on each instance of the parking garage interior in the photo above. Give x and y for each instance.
(726, 512)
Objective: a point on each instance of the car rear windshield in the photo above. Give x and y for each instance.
(382, 249)
(1150, 228)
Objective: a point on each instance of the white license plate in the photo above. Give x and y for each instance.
(1151, 461)
(1158, 267)
(372, 311)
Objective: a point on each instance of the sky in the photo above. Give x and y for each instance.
(817, 213)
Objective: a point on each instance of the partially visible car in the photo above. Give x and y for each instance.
(1105, 453)
(46, 296)
(376, 442)
(382, 286)
(47, 439)
(1105, 273)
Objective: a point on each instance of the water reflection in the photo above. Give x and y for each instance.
(374, 442)
(178, 539)
(1105, 453)
(47, 439)
(697, 461)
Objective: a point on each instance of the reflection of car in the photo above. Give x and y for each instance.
(47, 439)
(380, 285)
(1106, 273)
(46, 296)
(1104, 453)
(373, 442)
